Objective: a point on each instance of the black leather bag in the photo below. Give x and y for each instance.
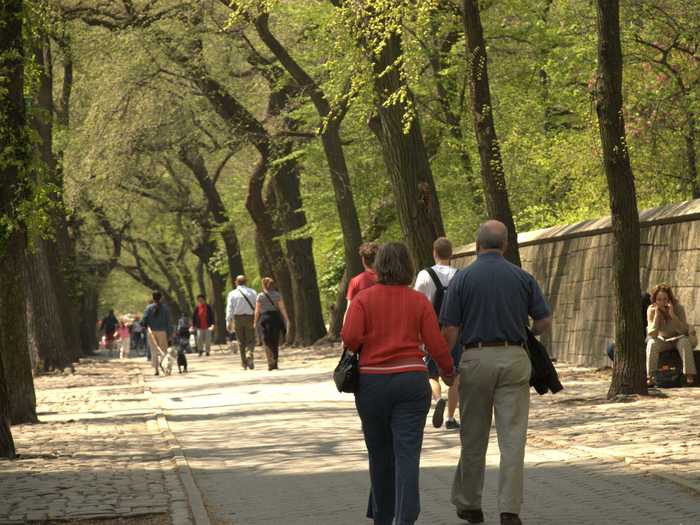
(347, 374)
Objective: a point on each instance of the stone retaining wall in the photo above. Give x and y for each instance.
(573, 264)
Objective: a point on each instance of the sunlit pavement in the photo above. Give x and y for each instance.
(286, 447)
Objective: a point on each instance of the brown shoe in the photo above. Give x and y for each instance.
(508, 518)
(472, 516)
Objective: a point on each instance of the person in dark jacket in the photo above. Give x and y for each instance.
(203, 324)
(491, 301)
(109, 326)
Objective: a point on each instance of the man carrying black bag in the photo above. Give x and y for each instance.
(491, 301)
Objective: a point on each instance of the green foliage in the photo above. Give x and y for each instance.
(134, 104)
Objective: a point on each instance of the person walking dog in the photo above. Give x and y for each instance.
(240, 311)
(490, 301)
(156, 320)
(387, 324)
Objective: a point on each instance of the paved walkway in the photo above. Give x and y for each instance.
(97, 453)
(285, 447)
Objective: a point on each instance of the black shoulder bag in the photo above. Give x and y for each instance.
(347, 374)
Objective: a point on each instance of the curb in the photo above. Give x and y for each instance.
(199, 512)
(630, 462)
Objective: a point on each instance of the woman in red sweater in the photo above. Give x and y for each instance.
(388, 323)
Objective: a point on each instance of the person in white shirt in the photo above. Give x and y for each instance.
(240, 310)
(433, 282)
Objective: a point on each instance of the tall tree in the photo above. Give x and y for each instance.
(332, 146)
(629, 367)
(492, 175)
(15, 155)
(399, 130)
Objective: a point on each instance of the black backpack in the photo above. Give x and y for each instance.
(440, 290)
(670, 371)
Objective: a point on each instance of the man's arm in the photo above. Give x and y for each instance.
(230, 305)
(450, 333)
(540, 326)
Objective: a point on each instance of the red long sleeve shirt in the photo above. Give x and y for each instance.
(391, 323)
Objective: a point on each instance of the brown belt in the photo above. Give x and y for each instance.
(491, 343)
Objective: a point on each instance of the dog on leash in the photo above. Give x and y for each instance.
(168, 361)
(181, 360)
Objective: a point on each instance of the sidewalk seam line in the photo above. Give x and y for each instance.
(182, 467)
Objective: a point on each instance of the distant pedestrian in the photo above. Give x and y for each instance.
(124, 338)
(156, 320)
(387, 323)
(271, 316)
(138, 340)
(432, 282)
(368, 251)
(240, 311)
(109, 327)
(490, 301)
(203, 324)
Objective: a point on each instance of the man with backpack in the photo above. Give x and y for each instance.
(240, 311)
(433, 282)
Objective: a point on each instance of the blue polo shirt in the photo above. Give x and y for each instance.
(491, 300)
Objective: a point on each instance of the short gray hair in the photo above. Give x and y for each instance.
(492, 235)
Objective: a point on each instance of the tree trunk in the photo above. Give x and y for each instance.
(285, 199)
(192, 158)
(46, 319)
(382, 217)
(48, 294)
(492, 175)
(266, 239)
(7, 444)
(218, 289)
(201, 283)
(629, 366)
(691, 155)
(15, 158)
(89, 299)
(332, 146)
(405, 155)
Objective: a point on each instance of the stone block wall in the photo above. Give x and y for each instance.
(573, 264)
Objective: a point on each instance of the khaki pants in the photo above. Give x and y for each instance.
(203, 340)
(492, 380)
(684, 347)
(124, 347)
(157, 339)
(246, 337)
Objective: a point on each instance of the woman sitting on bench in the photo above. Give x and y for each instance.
(668, 328)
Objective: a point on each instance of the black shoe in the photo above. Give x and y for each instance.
(472, 516)
(451, 424)
(508, 518)
(207, 353)
(157, 373)
(439, 413)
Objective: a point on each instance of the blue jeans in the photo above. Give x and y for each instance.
(393, 408)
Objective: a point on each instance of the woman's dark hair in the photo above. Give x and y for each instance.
(156, 299)
(393, 264)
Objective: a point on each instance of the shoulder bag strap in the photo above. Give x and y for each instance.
(246, 299)
(271, 301)
(435, 278)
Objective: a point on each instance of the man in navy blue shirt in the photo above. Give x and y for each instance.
(491, 301)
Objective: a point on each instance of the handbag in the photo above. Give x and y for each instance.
(347, 374)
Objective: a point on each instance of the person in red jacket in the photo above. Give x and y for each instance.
(388, 323)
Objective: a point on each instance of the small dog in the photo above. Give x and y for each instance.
(168, 361)
(181, 360)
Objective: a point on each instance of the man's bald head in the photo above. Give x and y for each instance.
(492, 235)
(240, 280)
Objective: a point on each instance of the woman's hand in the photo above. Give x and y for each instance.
(448, 380)
(671, 311)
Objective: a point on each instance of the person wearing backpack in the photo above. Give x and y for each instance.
(432, 282)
